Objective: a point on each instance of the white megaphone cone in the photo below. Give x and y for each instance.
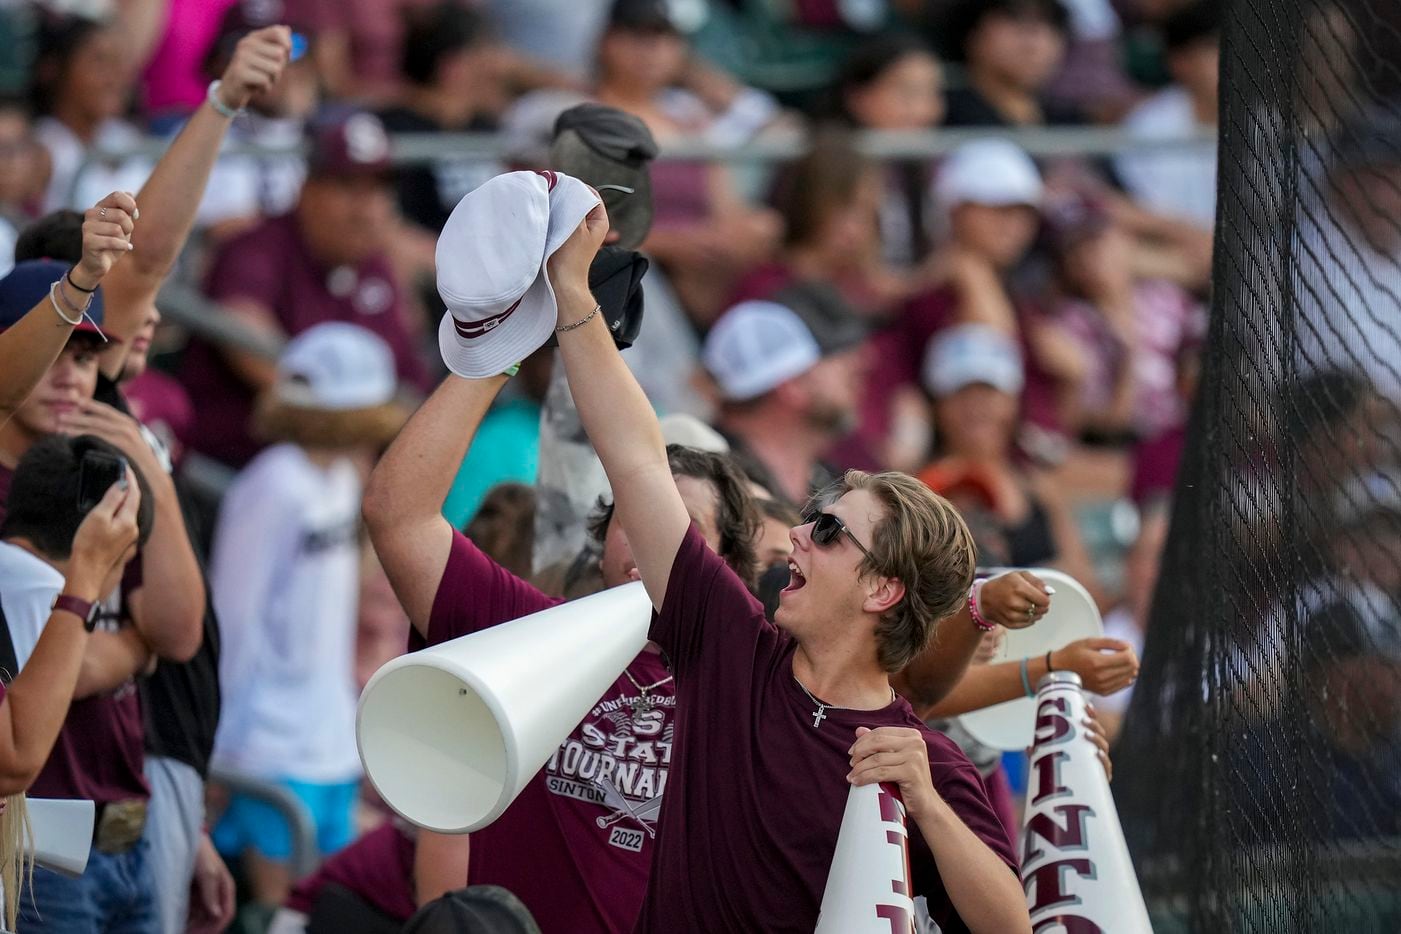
(868, 886)
(1075, 864)
(450, 735)
(62, 833)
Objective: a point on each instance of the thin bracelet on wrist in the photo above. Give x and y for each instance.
(1026, 681)
(581, 322)
(1049, 668)
(221, 108)
(974, 612)
(69, 277)
(53, 300)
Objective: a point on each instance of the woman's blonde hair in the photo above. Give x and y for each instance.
(16, 861)
(275, 420)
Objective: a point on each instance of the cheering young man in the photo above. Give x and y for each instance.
(774, 724)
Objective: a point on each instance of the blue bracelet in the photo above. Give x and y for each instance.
(1026, 681)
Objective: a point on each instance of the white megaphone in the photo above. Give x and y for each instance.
(451, 734)
(1073, 615)
(868, 886)
(62, 833)
(1075, 864)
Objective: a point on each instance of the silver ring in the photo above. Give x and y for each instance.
(101, 212)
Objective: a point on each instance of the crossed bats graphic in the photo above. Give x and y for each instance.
(621, 808)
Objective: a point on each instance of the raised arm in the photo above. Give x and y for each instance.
(403, 503)
(36, 703)
(168, 607)
(616, 414)
(28, 349)
(171, 196)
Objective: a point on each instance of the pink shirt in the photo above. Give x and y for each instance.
(174, 79)
(576, 846)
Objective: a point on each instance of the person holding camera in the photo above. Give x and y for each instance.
(76, 513)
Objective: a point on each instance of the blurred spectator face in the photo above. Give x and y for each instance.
(17, 157)
(646, 60)
(1024, 50)
(1002, 233)
(95, 79)
(1098, 265)
(1370, 197)
(1197, 67)
(1367, 550)
(774, 544)
(68, 383)
(907, 95)
(850, 227)
(346, 218)
(976, 422)
(618, 564)
(833, 391)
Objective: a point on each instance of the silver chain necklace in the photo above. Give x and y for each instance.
(820, 713)
(644, 703)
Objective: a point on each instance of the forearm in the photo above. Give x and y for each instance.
(36, 701)
(986, 893)
(612, 407)
(439, 864)
(404, 499)
(169, 609)
(939, 669)
(984, 685)
(141, 23)
(27, 350)
(413, 478)
(110, 660)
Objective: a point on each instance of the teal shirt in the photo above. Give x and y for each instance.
(506, 448)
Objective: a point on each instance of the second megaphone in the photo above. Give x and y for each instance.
(450, 735)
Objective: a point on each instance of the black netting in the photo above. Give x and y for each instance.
(1260, 770)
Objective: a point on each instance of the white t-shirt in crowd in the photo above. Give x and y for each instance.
(28, 586)
(1176, 181)
(285, 575)
(97, 180)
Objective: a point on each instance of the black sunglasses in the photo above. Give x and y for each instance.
(827, 527)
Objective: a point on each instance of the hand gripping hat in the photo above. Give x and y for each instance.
(491, 268)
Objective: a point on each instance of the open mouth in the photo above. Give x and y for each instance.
(796, 580)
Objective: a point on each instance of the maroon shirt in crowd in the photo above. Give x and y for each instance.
(100, 751)
(577, 845)
(378, 868)
(757, 793)
(271, 265)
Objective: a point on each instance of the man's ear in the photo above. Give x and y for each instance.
(883, 595)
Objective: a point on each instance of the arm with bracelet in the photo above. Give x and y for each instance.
(31, 346)
(35, 704)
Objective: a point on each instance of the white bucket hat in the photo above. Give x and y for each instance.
(491, 268)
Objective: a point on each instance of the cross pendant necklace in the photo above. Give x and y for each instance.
(820, 713)
(644, 703)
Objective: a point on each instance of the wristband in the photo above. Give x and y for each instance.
(1026, 681)
(978, 620)
(1049, 669)
(222, 109)
(68, 276)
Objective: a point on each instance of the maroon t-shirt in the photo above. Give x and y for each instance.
(378, 868)
(100, 751)
(271, 265)
(757, 793)
(577, 845)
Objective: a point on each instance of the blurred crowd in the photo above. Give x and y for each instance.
(1022, 334)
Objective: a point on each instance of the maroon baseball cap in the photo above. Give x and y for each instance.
(347, 144)
(1072, 218)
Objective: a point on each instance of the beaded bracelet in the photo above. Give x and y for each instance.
(581, 322)
(222, 109)
(978, 619)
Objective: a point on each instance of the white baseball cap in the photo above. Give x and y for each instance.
(336, 366)
(491, 268)
(972, 353)
(992, 171)
(755, 346)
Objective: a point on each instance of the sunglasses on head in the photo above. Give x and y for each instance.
(826, 528)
